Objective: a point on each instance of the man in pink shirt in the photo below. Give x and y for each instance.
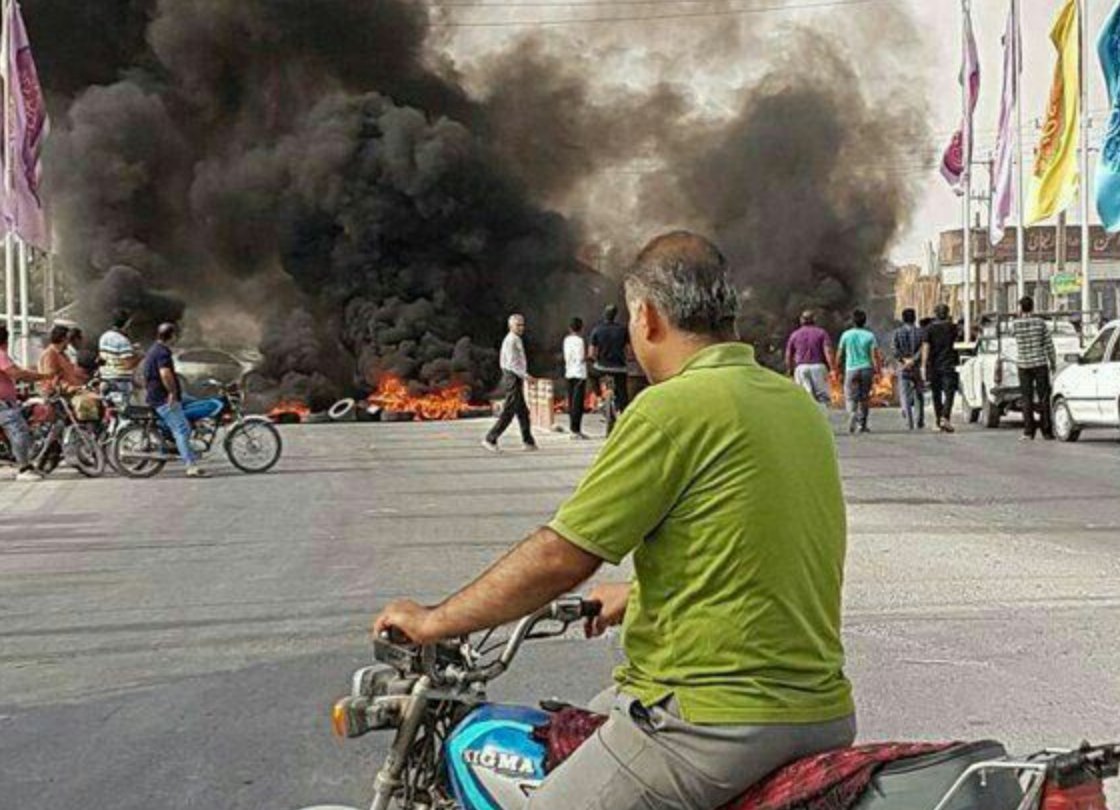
(11, 412)
(810, 358)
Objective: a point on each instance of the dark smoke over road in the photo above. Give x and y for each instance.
(320, 176)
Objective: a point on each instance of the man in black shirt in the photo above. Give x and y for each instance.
(609, 341)
(163, 395)
(939, 365)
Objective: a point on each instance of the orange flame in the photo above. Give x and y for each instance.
(392, 394)
(591, 403)
(882, 390)
(290, 406)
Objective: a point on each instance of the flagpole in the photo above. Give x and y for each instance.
(9, 254)
(1020, 233)
(1086, 243)
(966, 162)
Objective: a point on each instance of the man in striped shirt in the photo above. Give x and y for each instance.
(1036, 360)
(118, 356)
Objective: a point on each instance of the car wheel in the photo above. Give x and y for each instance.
(1065, 429)
(989, 411)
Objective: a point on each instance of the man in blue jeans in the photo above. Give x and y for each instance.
(164, 395)
(859, 357)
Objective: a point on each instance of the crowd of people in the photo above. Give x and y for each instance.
(67, 366)
(925, 356)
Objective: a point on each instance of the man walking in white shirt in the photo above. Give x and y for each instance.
(575, 371)
(515, 373)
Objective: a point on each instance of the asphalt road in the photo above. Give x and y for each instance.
(177, 644)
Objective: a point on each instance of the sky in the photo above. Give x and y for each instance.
(673, 49)
(940, 207)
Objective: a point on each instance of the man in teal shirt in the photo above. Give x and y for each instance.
(721, 482)
(860, 359)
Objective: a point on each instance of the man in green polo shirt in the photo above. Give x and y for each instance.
(721, 480)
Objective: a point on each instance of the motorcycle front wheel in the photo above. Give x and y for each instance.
(133, 450)
(254, 446)
(84, 452)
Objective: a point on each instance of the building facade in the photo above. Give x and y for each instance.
(995, 285)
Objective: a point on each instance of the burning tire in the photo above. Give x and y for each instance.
(254, 446)
(134, 449)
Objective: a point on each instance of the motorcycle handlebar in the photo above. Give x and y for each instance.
(567, 611)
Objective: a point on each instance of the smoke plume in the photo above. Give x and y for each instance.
(361, 194)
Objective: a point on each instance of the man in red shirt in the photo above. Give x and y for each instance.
(11, 412)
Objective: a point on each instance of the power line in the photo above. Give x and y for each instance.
(655, 17)
(466, 4)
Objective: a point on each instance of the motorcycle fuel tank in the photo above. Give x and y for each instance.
(493, 761)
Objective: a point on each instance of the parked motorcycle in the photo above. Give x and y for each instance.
(252, 443)
(59, 434)
(453, 750)
(108, 419)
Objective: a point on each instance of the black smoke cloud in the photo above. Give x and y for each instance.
(806, 189)
(300, 159)
(314, 168)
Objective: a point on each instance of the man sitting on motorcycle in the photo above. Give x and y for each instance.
(721, 479)
(166, 398)
(11, 411)
(58, 372)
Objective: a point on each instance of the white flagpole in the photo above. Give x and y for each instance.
(9, 253)
(1086, 243)
(966, 161)
(24, 306)
(1020, 234)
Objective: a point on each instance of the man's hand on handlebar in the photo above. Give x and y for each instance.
(407, 618)
(613, 597)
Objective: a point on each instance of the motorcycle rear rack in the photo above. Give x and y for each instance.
(981, 769)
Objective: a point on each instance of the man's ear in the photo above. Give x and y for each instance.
(649, 322)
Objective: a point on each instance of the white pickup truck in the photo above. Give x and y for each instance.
(990, 378)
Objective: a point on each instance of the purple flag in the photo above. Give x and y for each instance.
(1005, 185)
(28, 126)
(958, 155)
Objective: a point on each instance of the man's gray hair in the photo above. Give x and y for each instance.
(514, 318)
(687, 279)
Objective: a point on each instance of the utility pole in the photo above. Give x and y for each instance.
(1020, 231)
(1086, 127)
(9, 237)
(966, 161)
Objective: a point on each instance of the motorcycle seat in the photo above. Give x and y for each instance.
(137, 413)
(887, 776)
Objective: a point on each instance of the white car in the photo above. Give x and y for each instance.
(1087, 394)
(990, 378)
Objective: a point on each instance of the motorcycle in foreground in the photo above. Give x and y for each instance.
(59, 433)
(144, 446)
(453, 750)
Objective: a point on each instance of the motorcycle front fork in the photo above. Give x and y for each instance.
(388, 779)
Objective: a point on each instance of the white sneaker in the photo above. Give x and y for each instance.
(530, 448)
(489, 445)
(28, 476)
(196, 472)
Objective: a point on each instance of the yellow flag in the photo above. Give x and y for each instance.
(1055, 178)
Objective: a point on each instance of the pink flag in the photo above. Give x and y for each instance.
(959, 154)
(27, 128)
(1005, 186)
